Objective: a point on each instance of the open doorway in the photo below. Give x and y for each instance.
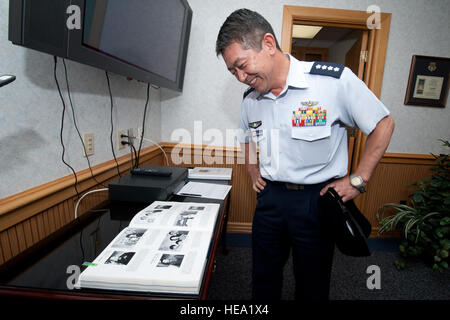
(346, 46)
(341, 45)
(373, 58)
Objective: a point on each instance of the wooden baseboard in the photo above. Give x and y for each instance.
(239, 227)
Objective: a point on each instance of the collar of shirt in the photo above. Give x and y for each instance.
(295, 78)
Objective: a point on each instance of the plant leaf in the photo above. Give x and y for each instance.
(444, 221)
(418, 197)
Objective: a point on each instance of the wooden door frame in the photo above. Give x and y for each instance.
(377, 46)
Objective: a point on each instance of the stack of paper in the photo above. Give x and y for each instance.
(210, 173)
(205, 190)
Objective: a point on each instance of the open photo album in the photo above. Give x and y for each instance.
(164, 249)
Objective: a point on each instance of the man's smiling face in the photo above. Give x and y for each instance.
(249, 66)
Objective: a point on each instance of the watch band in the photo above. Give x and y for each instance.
(360, 185)
(361, 189)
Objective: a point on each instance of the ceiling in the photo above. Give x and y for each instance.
(327, 37)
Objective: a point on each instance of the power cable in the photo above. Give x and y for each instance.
(62, 127)
(143, 126)
(112, 126)
(75, 123)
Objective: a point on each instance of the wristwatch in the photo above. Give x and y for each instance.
(357, 182)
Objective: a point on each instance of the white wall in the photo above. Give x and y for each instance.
(31, 109)
(213, 96)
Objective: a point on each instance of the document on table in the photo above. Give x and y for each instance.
(210, 173)
(205, 190)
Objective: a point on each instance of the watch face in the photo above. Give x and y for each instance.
(356, 181)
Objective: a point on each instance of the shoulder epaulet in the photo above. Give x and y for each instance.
(247, 92)
(327, 69)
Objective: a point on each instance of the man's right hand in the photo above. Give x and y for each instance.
(257, 180)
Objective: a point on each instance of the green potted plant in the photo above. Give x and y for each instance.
(425, 220)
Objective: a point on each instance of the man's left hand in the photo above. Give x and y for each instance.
(343, 187)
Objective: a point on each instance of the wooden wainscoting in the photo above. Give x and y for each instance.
(389, 184)
(33, 215)
(242, 195)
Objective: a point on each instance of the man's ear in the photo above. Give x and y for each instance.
(269, 43)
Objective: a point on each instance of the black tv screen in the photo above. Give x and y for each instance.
(142, 39)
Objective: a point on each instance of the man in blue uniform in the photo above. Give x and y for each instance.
(296, 113)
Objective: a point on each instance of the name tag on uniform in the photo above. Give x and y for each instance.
(257, 133)
(309, 115)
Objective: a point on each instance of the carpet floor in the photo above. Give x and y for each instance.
(232, 278)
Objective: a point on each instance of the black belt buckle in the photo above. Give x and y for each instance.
(293, 186)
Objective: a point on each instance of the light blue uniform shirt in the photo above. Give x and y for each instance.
(308, 154)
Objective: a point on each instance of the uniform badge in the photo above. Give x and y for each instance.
(309, 103)
(309, 115)
(255, 124)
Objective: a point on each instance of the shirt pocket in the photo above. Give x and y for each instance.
(313, 144)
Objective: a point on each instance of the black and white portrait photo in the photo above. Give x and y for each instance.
(129, 238)
(120, 258)
(196, 208)
(150, 216)
(173, 241)
(185, 217)
(170, 260)
(163, 206)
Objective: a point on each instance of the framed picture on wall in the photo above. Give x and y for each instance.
(428, 81)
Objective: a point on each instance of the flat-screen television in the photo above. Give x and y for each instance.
(146, 40)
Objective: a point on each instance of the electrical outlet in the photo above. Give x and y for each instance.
(131, 135)
(88, 140)
(120, 146)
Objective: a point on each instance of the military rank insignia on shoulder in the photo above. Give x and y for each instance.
(327, 69)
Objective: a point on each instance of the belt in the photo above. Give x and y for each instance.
(295, 186)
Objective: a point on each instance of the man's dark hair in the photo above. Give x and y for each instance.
(245, 27)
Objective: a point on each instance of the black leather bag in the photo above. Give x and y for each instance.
(347, 225)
